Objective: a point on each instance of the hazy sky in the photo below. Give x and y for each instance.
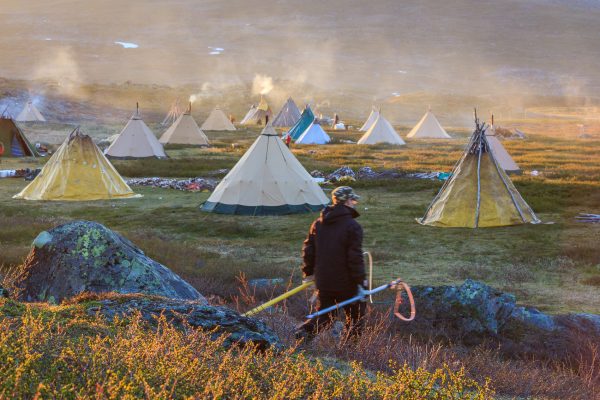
(378, 46)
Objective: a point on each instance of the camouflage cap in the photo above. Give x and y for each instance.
(343, 193)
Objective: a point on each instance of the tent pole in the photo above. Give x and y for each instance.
(478, 185)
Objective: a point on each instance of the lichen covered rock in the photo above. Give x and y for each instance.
(474, 312)
(218, 320)
(83, 256)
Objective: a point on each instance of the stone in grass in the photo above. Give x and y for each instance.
(217, 320)
(83, 256)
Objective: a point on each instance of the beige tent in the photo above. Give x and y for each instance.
(78, 171)
(504, 159)
(288, 115)
(217, 121)
(478, 193)
(136, 140)
(370, 120)
(30, 113)
(267, 180)
(381, 131)
(257, 115)
(184, 131)
(428, 127)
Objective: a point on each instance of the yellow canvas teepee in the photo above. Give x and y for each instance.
(478, 193)
(78, 171)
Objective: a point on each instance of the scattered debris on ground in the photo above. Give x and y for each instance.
(591, 218)
(343, 174)
(27, 173)
(188, 184)
(369, 173)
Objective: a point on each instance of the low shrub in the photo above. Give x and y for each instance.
(46, 355)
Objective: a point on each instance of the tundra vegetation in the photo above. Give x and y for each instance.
(59, 351)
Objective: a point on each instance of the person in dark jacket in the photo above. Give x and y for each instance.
(333, 257)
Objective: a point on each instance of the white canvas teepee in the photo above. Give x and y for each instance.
(428, 127)
(505, 161)
(267, 180)
(185, 131)
(136, 140)
(217, 121)
(288, 115)
(381, 132)
(30, 113)
(370, 121)
(258, 114)
(314, 134)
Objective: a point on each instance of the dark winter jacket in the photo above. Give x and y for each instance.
(332, 251)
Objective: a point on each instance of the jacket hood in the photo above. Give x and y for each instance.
(331, 214)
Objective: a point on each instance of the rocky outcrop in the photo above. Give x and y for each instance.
(475, 312)
(83, 256)
(217, 320)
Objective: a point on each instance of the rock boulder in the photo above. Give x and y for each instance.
(475, 312)
(218, 320)
(83, 256)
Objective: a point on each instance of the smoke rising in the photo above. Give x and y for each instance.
(61, 67)
(262, 84)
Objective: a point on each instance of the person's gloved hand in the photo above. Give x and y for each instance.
(361, 291)
(310, 278)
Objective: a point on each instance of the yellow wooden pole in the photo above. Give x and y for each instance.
(278, 299)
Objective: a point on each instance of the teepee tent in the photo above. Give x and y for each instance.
(504, 159)
(267, 180)
(381, 131)
(370, 120)
(78, 171)
(12, 140)
(30, 113)
(288, 115)
(478, 193)
(174, 113)
(304, 122)
(428, 127)
(136, 140)
(217, 121)
(314, 134)
(257, 115)
(185, 131)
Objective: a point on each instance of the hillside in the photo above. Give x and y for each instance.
(368, 49)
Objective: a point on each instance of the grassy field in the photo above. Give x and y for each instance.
(553, 266)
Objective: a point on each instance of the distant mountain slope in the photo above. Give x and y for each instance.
(378, 46)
